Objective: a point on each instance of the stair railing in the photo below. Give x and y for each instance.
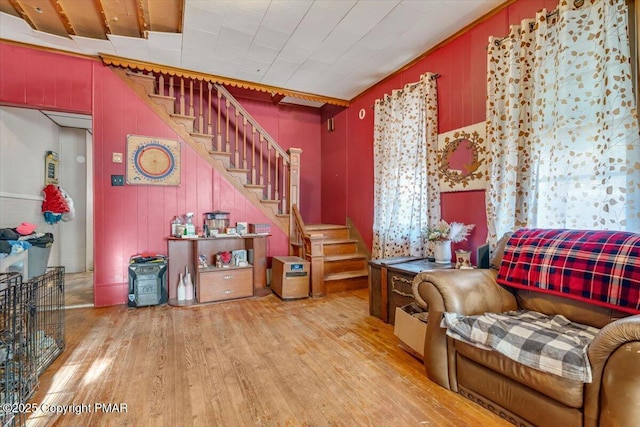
(309, 247)
(231, 129)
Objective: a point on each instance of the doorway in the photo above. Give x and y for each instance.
(27, 135)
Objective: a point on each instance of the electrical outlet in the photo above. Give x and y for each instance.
(116, 157)
(117, 180)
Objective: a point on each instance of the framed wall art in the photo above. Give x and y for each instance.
(462, 159)
(152, 161)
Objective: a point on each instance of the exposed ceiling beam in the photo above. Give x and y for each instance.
(103, 15)
(63, 17)
(18, 7)
(142, 10)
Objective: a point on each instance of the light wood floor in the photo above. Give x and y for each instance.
(256, 362)
(78, 289)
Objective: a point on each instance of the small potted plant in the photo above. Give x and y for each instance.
(442, 235)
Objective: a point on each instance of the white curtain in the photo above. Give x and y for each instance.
(562, 122)
(406, 189)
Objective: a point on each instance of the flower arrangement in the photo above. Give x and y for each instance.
(456, 232)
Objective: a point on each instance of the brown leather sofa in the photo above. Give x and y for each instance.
(520, 394)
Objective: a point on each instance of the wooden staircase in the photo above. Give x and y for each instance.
(338, 261)
(345, 268)
(210, 120)
(221, 131)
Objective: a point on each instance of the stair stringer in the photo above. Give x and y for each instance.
(281, 221)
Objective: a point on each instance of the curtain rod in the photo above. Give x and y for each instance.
(434, 76)
(577, 4)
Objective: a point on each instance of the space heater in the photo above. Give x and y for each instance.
(290, 277)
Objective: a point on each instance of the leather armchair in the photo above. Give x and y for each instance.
(518, 393)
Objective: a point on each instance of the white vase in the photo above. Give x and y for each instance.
(442, 251)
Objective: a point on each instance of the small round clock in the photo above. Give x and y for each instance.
(153, 162)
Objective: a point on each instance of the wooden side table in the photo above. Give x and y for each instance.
(390, 283)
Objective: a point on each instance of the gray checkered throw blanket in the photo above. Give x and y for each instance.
(548, 343)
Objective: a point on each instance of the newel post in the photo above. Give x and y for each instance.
(294, 183)
(316, 255)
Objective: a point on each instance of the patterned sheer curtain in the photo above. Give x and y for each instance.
(562, 122)
(406, 189)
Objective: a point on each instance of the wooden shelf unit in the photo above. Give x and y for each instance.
(218, 284)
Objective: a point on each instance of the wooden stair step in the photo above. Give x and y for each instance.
(273, 204)
(344, 257)
(334, 264)
(238, 170)
(325, 227)
(186, 121)
(222, 156)
(255, 188)
(346, 281)
(346, 275)
(339, 246)
(241, 174)
(168, 102)
(330, 231)
(338, 241)
(203, 138)
(148, 82)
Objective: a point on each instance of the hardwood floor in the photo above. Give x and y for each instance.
(255, 362)
(78, 289)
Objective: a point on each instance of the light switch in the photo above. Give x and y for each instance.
(117, 180)
(116, 157)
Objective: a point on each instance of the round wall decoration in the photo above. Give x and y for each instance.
(153, 161)
(462, 159)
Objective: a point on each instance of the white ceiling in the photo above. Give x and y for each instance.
(334, 48)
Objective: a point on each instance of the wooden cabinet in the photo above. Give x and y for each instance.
(390, 284)
(218, 284)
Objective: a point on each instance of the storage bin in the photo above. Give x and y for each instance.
(411, 328)
(38, 260)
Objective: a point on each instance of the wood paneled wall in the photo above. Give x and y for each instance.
(128, 219)
(462, 65)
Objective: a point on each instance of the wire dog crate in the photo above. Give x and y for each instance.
(18, 377)
(31, 336)
(46, 326)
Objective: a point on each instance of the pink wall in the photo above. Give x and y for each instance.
(133, 219)
(461, 64)
(37, 79)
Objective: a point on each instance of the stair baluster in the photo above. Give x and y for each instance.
(191, 111)
(236, 151)
(253, 155)
(219, 108)
(182, 106)
(244, 136)
(209, 108)
(200, 112)
(261, 159)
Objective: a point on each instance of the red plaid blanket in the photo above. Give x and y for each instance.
(599, 267)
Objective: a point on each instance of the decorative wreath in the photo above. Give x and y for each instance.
(471, 171)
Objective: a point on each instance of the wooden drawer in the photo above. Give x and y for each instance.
(400, 292)
(224, 284)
